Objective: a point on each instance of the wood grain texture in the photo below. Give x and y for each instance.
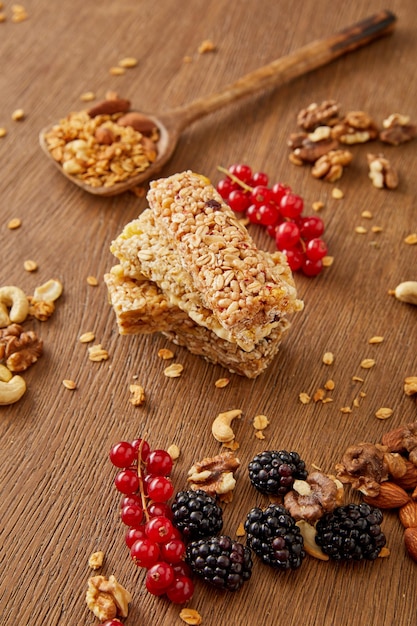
(57, 500)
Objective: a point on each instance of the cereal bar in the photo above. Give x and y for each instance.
(141, 307)
(143, 249)
(235, 280)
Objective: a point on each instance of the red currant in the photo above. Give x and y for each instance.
(159, 529)
(295, 258)
(252, 213)
(225, 187)
(156, 509)
(287, 235)
(238, 201)
(311, 227)
(181, 590)
(241, 171)
(312, 268)
(122, 454)
(132, 499)
(159, 463)
(111, 622)
(144, 446)
(316, 249)
(291, 205)
(160, 489)
(260, 195)
(127, 481)
(259, 178)
(145, 552)
(279, 191)
(159, 577)
(173, 551)
(134, 534)
(132, 515)
(268, 214)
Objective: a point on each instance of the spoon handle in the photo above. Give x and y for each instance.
(286, 68)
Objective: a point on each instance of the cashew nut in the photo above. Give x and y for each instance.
(407, 292)
(12, 390)
(48, 292)
(221, 428)
(15, 299)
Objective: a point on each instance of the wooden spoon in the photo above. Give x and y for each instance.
(316, 54)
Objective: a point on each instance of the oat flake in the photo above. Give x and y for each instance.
(328, 358)
(376, 339)
(367, 363)
(174, 370)
(384, 413)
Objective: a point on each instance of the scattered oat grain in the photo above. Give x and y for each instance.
(2, 17)
(191, 617)
(384, 413)
(346, 409)
(366, 364)
(97, 353)
(69, 384)
(92, 280)
(138, 395)
(96, 560)
(367, 215)
(410, 385)
(328, 358)
(319, 395)
(87, 96)
(206, 46)
(174, 370)
(376, 339)
(326, 400)
(356, 403)
(232, 445)
(30, 266)
(327, 261)
(376, 229)
(384, 552)
(14, 223)
(318, 205)
(304, 398)
(411, 239)
(221, 382)
(259, 434)
(117, 71)
(128, 62)
(3, 132)
(260, 422)
(329, 385)
(337, 193)
(165, 354)
(173, 451)
(18, 13)
(18, 115)
(360, 230)
(87, 337)
(240, 532)
(357, 379)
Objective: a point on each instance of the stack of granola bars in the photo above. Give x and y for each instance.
(190, 270)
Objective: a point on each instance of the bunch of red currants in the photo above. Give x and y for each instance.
(154, 543)
(279, 210)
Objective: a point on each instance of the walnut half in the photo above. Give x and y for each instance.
(214, 475)
(107, 598)
(310, 499)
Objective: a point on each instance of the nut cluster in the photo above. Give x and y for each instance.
(324, 129)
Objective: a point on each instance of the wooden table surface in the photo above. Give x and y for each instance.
(58, 503)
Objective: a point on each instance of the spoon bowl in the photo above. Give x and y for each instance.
(298, 63)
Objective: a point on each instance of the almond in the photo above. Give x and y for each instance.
(391, 496)
(104, 135)
(409, 480)
(408, 514)
(138, 121)
(393, 440)
(109, 107)
(410, 541)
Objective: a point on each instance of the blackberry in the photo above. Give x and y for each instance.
(220, 561)
(274, 536)
(196, 514)
(274, 471)
(351, 533)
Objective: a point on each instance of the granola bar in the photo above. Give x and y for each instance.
(143, 249)
(212, 244)
(141, 307)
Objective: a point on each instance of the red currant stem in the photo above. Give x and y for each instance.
(234, 178)
(142, 492)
